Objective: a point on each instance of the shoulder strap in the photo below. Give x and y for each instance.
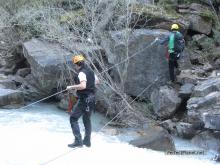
(171, 43)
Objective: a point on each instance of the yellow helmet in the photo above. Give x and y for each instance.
(174, 27)
(78, 58)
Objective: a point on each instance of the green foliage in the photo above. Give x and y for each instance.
(190, 1)
(168, 5)
(153, 11)
(216, 32)
(207, 15)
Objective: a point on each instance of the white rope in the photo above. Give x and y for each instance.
(43, 99)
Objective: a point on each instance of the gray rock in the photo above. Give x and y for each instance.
(196, 57)
(187, 76)
(212, 121)
(47, 62)
(196, 106)
(198, 23)
(11, 97)
(181, 129)
(206, 87)
(165, 101)
(155, 138)
(201, 102)
(8, 84)
(146, 63)
(23, 72)
(185, 130)
(208, 140)
(184, 61)
(217, 64)
(186, 90)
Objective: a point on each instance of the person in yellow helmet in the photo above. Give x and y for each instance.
(176, 44)
(85, 90)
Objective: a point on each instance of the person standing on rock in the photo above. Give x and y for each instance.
(176, 45)
(85, 90)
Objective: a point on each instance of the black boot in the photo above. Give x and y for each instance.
(77, 143)
(86, 142)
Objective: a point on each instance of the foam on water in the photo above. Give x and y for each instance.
(41, 134)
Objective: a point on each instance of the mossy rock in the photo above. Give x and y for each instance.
(154, 11)
(207, 15)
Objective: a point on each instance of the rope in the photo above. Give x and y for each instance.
(43, 99)
(155, 40)
(66, 153)
(38, 101)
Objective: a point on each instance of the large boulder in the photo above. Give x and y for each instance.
(199, 16)
(204, 103)
(165, 101)
(155, 138)
(47, 62)
(206, 87)
(139, 61)
(197, 106)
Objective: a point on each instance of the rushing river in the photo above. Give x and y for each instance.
(40, 136)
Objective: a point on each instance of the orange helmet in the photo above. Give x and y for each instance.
(78, 58)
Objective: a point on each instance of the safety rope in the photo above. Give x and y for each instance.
(43, 99)
(66, 153)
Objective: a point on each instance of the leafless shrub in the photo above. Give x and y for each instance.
(84, 23)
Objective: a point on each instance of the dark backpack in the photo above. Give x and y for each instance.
(179, 43)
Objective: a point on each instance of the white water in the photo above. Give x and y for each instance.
(41, 134)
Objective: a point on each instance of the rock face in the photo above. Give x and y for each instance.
(205, 100)
(143, 62)
(199, 17)
(181, 129)
(47, 63)
(165, 101)
(11, 97)
(155, 138)
(207, 87)
(212, 121)
(208, 140)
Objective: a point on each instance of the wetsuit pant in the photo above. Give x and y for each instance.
(84, 108)
(172, 64)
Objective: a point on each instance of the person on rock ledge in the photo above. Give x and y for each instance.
(176, 45)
